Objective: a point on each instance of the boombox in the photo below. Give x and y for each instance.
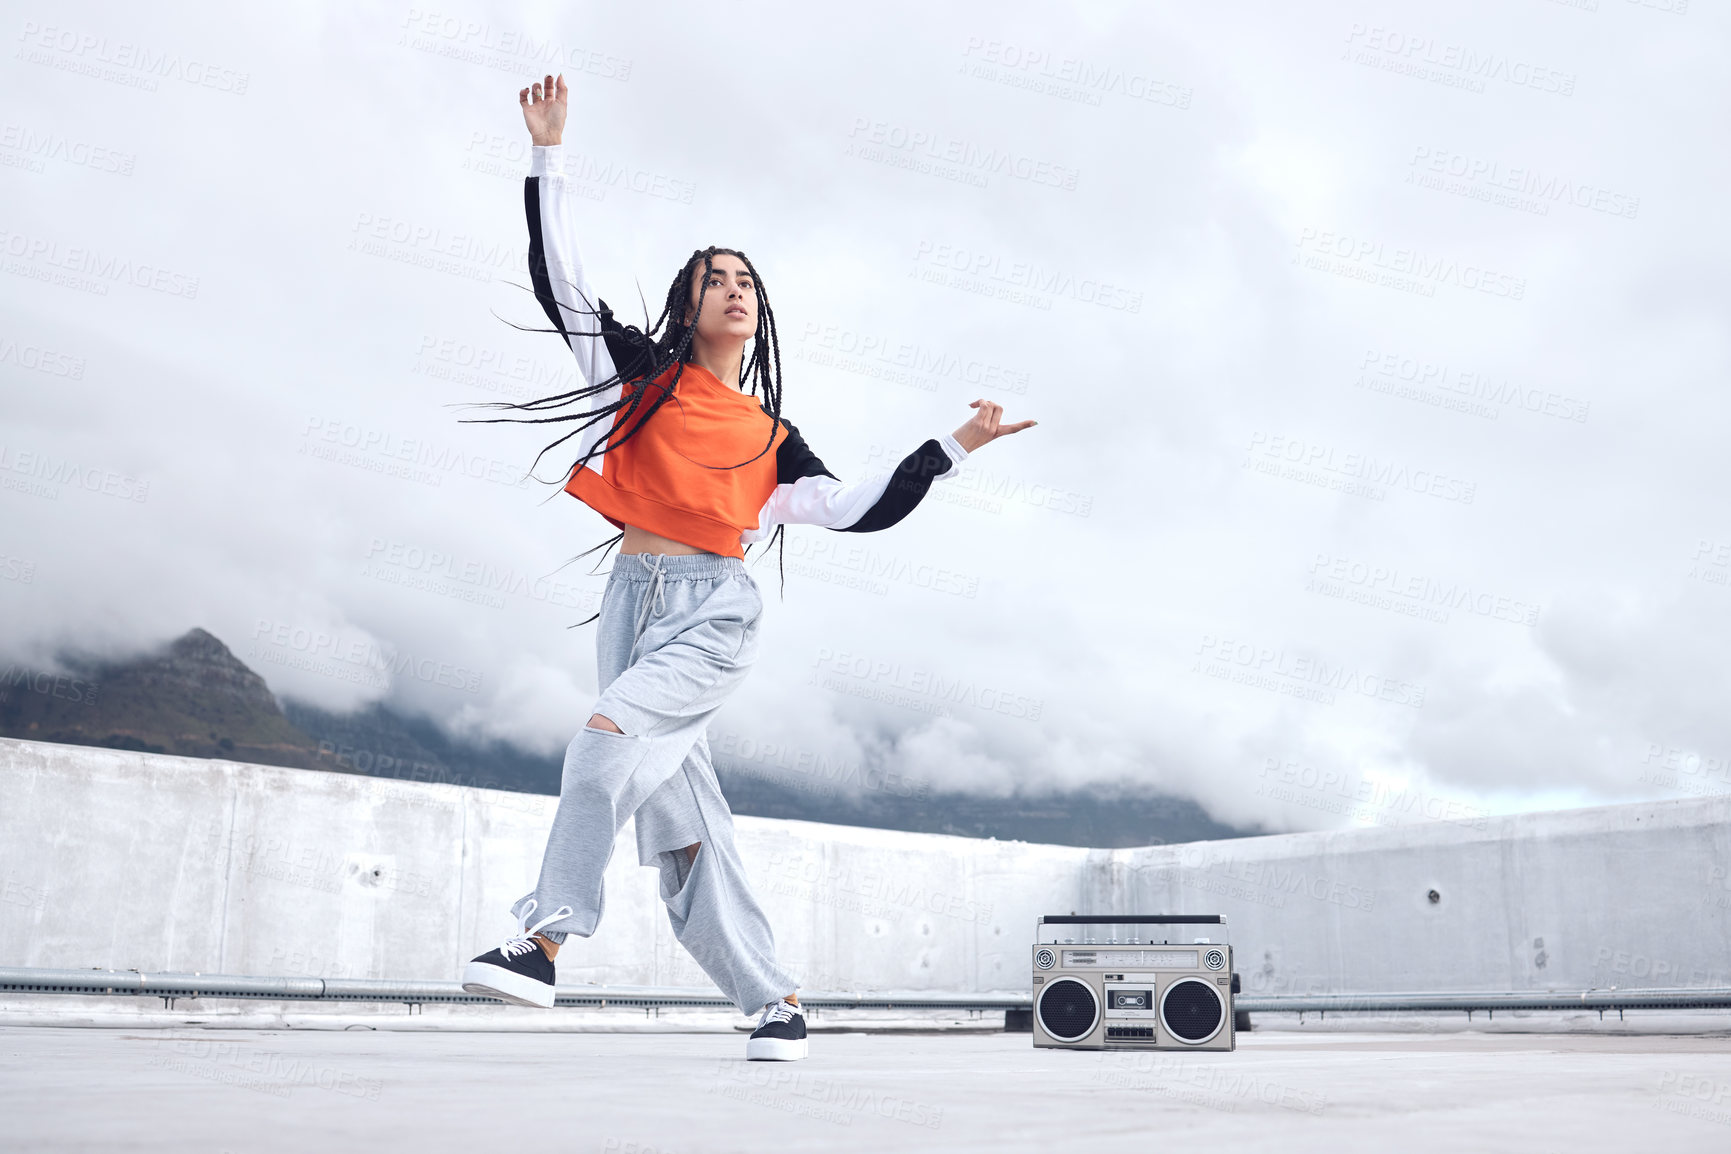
(1128, 982)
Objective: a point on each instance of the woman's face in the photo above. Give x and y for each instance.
(730, 305)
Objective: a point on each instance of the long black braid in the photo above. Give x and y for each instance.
(650, 351)
(667, 342)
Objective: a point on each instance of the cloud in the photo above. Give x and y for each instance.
(1378, 396)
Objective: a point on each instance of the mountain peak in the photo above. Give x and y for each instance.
(192, 697)
(197, 661)
(196, 642)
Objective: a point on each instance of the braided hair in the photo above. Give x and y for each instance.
(651, 351)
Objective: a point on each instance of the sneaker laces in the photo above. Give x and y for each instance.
(525, 939)
(782, 1011)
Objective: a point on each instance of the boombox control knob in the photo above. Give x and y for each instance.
(1045, 959)
(1214, 959)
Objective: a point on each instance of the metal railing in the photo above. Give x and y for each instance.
(1489, 1003)
(25, 980)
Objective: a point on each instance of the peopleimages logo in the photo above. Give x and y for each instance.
(1480, 177)
(61, 685)
(888, 676)
(1359, 797)
(433, 248)
(1455, 65)
(1360, 474)
(1298, 675)
(40, 256)
(755, 757)
(939, 147)
(40, 146)
(494, 154)
(466, 578)
(491, 369)
(51, 471)
(381, 450)
(1368, 258)
(122, 61)
(875, 568)
(1462, 389)
(903, 362)
(515, 50)
(41, 360)
(1066, 77)
(1024, 276)
(1381, 585)
(369, 662)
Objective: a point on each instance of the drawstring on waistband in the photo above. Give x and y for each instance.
(655, 597)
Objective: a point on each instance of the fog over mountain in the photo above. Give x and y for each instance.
(1378, 353)
(194, 698)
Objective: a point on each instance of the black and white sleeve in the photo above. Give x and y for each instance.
(563, 290)
(806, 493)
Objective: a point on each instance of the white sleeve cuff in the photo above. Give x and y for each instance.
(547, 160)
(954, 449)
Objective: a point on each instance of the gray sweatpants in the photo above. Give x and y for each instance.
(675, 638)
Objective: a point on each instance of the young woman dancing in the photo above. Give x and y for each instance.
(680, 445)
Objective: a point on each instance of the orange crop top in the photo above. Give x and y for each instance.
(671, 477)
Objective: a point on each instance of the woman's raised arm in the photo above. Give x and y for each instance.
(555, 266)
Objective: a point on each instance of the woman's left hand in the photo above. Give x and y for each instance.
(987, 426)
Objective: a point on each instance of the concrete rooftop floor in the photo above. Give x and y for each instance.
(70, 1089)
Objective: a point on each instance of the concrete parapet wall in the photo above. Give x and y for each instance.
(1630, 895)
(142, 861)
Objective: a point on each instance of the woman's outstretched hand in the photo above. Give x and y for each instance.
(987, 426)
(544, 110)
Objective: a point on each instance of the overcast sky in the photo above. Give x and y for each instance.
(1379, 354)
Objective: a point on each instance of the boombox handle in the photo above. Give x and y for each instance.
(1132, 920)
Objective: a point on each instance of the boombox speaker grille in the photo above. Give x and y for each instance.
(1068, 1009)
(1192, 1010)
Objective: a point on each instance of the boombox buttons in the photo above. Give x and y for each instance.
(1132, 982)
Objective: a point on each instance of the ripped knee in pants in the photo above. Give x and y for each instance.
(603, 723)
(676, 866)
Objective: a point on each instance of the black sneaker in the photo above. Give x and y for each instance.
(780, 1034)
(519, 971)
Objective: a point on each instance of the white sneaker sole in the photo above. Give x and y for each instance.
(498, 982)
(776, 1049)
